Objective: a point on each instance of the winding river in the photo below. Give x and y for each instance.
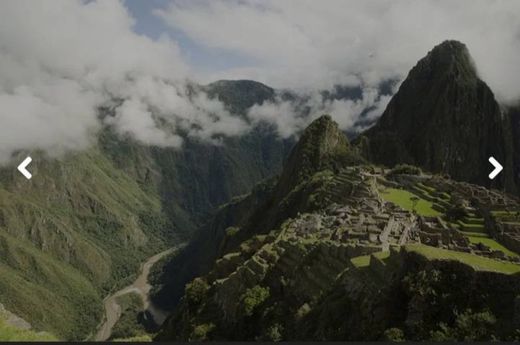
(139, 286)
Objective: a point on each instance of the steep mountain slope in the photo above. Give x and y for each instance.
(239, 95)
(68, 235)
(14, 328)
(195, 179)
(322, 146)
(352, 252)
(514, 118)
(83, 224)
(445, 119)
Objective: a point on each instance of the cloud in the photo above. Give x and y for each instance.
(290, 117)
(316, 44)
(61, 60)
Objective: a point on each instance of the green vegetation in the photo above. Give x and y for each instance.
(322, 146)
(407, 169)
(475, 261)
(200, 332)
(456, 213)
(409, 201)
(138, 339)
(70, 237)
(128, 325)
(274, 332)
(33, 285)
(361, 261)
(364, 260)
(252, 298)
(491, 243)
(88, 220)
(469, 326)
(196, 291)
(10, 333)
(394, 335)
(505, 213)
(232, 231)
(471, 227)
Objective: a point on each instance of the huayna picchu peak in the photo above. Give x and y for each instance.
(446, 120)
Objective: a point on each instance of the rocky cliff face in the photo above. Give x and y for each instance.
(445, 119)
(514, 118)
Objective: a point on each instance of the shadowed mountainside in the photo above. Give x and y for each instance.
(444, 119)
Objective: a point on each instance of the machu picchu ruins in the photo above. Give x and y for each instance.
(362, 215)
(366, 233)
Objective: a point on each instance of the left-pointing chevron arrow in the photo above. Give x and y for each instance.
(23, 168)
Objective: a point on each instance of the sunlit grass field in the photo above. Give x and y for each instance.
(405, 200)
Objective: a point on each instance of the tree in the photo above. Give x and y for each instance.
(457, 212)
(200, 332)
(469, 326)
(405, 169)
(196, 291)
(274, 332)
(253, 297)
(394, 334)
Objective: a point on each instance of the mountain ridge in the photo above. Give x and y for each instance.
(445, 119)
(354, 250)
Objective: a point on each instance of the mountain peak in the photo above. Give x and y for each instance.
(449, 59)
(443, 119)
(321, 146)
(450, 48)
(239, 95)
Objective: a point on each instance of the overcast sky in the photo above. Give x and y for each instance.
(61, 59)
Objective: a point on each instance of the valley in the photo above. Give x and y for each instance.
(141, 287)
(259, 171)
(314, 237)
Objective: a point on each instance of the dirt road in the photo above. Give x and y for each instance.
(139, 286)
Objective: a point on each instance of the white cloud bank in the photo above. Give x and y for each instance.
(287, 118)
(62, 59)
(296, 43)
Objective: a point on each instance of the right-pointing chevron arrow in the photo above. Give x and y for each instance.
(497, 170)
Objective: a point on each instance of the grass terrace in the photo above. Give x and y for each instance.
(405, 200)
(491, 243)
(507, 217)
(477, 262)
(364, 260)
